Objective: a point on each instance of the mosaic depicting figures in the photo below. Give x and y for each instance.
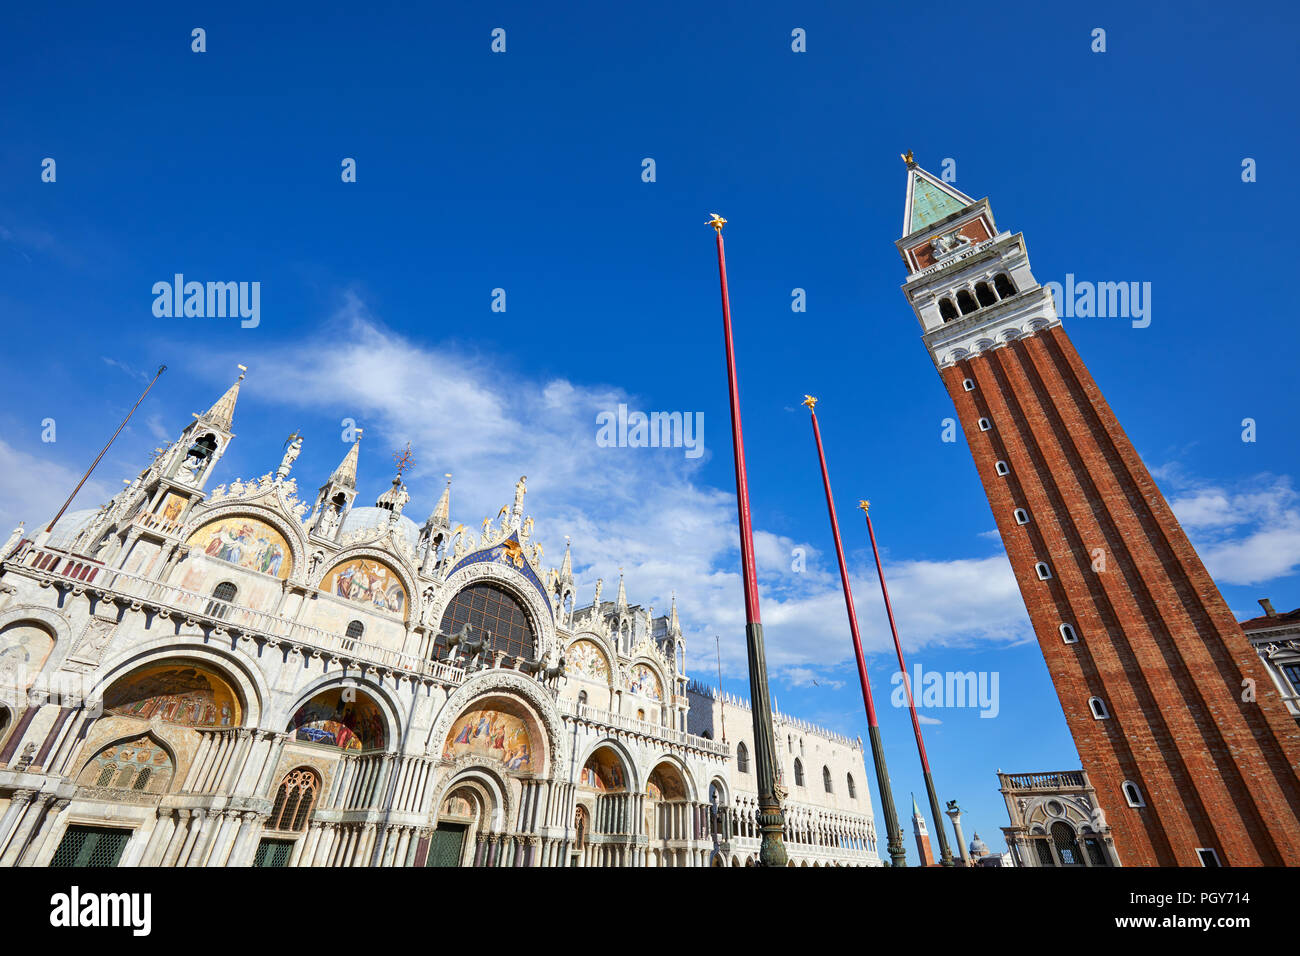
(641, 679)
(173, 506)
(23, 650)
(367, 582)
(177, 692)
(665, 785)
(584, 659)
(602, 772)
(347, 724)
(140, 764)
(493, 734)
(246, 542)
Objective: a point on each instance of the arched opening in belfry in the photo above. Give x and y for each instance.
(947, 311)
(985, 294)
(966, 302)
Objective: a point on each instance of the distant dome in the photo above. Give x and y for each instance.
(67, 528)
(368, 518)
(977, 847)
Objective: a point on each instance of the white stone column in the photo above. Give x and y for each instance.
(35, 854)
(13, 813)
(34, 814)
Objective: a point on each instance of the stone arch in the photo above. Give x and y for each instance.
(500, 730)
(382, 698)
(399, 566)
(679, 765)
(291, 531)
(665, 686)
(488, 783)
(634, 782)
(498, 683)
(609, 660)
(27, 645)
(534, 602)
(240, 672)
(110, 757)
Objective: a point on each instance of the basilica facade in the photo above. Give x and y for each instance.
(230, 675)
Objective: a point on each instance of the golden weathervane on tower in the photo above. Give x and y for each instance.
(864, 505)
(403, 458)
(810, 401)
(716, 221)
(907, 158)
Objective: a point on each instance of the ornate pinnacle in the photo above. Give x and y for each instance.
(864, 505)
(810, 401)
(717, 222)
(907, 158)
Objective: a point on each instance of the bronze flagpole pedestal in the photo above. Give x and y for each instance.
(771, 821)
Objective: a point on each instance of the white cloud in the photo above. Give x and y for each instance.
(644, 510)
(32, 487)
(1246, 535)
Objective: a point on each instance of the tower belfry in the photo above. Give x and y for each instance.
(1147, 659)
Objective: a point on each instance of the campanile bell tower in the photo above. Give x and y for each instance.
(1176, 721)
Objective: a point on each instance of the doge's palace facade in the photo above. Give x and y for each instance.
(228, 676)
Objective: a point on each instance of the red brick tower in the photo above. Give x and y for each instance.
(922, 835)
(1174, 716)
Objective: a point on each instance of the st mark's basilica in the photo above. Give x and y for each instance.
(229, 675)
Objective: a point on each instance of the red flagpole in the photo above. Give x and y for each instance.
(898, 856)
(944, 853)
(771, 820)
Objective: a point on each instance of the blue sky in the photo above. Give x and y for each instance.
(522, 171)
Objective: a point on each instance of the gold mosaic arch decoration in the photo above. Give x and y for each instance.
(480, 688)
(587, 659)
(492, 732)
(176, 691)
(370, 582)
(247, 542)
(644, 681)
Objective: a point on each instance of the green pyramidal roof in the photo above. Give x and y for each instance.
(929, 200)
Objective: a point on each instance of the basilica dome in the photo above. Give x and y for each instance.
(370, 518)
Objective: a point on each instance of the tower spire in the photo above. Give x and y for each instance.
(621, 601)
(222, 412)
(929, 198)
(442, 513)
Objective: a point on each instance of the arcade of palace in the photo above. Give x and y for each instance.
(233, 676)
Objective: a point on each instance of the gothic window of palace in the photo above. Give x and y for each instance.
(826, 779)
(798, 772)
(742, 757)
(487, 608)
(294, 800)
(853, 792)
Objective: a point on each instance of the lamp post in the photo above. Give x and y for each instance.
(770, 819)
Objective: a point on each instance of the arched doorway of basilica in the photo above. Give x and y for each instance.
(604, 794)
(668, 822)
(459, 818)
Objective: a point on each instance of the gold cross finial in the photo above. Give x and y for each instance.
(716, 221)
(810, 401)
(864, 505)
(403, 458)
